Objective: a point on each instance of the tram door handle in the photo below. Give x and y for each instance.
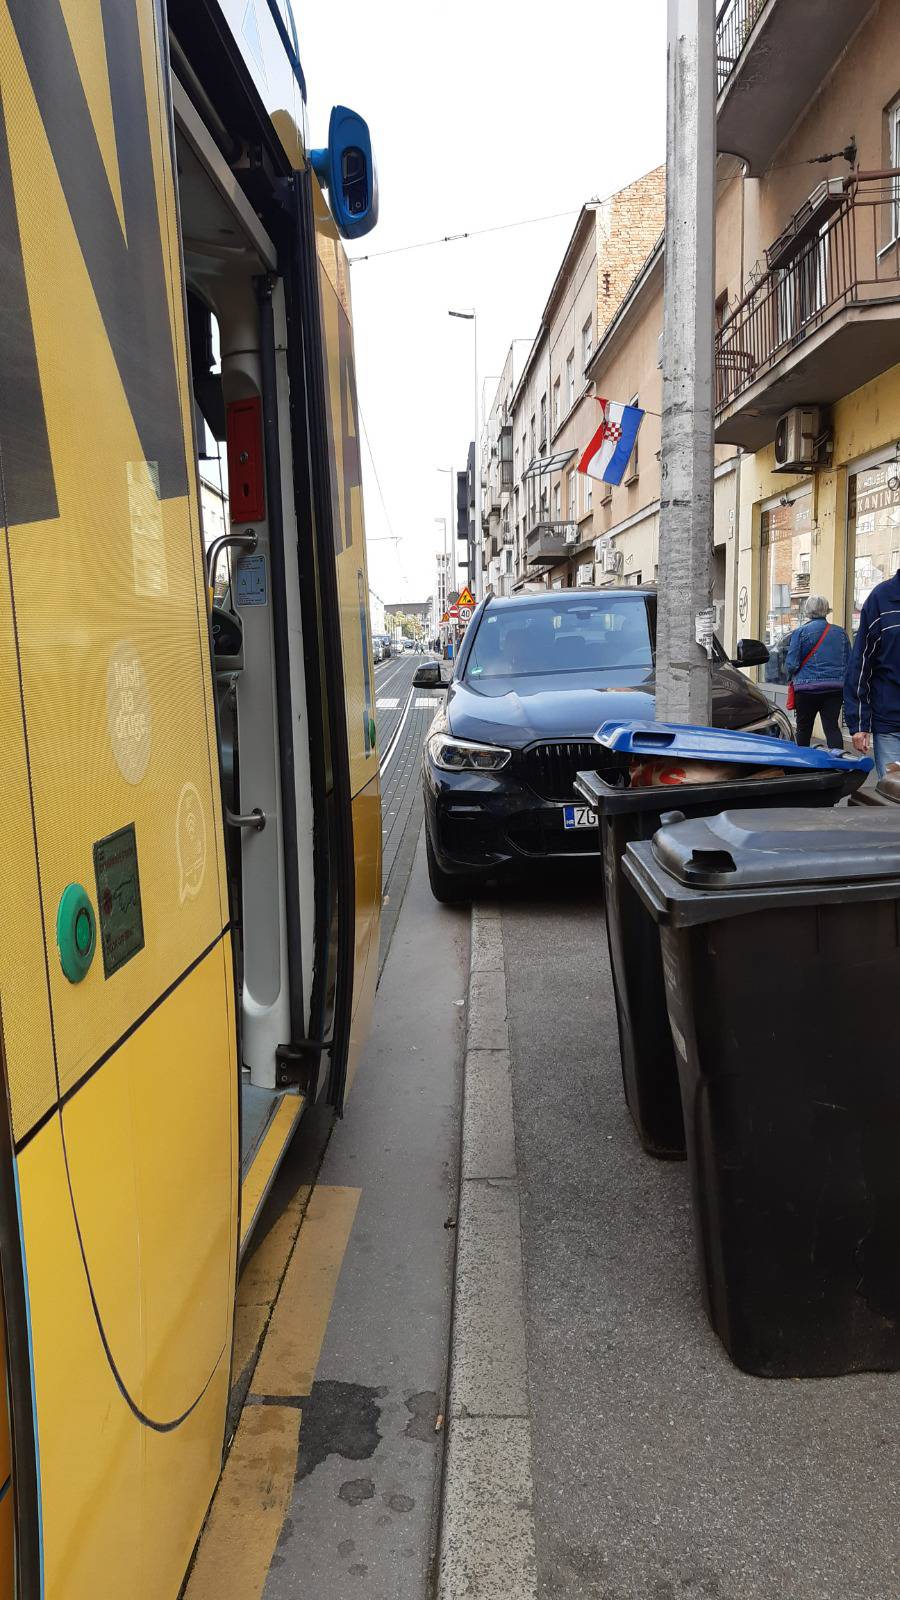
(247, 819)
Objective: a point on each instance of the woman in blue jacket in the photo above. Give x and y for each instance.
(816, 665)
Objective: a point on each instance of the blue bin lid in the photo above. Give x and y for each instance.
(682, 741)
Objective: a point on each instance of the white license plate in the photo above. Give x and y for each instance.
(579, 817)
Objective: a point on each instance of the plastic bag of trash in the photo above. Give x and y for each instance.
(658, 772)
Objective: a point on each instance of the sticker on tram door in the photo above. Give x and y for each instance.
(118, 898)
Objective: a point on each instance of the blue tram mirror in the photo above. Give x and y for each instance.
(347, 170)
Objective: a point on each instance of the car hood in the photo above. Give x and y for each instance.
(518, 711)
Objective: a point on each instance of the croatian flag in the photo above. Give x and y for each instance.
(606, 457)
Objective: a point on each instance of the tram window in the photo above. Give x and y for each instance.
(206, 371)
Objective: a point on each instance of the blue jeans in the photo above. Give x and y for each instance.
(886, 748)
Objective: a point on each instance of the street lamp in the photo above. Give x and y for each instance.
(470, 316)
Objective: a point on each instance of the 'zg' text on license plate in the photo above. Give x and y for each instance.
(579, 817)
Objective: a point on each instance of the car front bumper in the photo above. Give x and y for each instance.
(481, 822)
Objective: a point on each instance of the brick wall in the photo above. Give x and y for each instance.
(628, 226)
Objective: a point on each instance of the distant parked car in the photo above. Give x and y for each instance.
(535, 677)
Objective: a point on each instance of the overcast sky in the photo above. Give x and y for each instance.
(482, 112)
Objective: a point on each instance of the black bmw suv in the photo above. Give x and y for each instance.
(535, 677)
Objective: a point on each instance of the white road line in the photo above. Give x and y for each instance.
(383, 766)
(390, 704)
(487, 1543)
(394, 672)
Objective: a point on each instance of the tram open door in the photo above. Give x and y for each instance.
(191, 864)
(268, 313)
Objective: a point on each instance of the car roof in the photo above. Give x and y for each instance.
(551, 597)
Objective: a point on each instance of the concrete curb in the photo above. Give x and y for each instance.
(487, 1549)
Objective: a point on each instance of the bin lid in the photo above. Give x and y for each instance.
(780, 847)
(681, 740)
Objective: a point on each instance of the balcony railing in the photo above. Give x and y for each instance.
(549, 541)
(853, 259)
(734, 25)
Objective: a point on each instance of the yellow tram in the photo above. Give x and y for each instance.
(190, 885)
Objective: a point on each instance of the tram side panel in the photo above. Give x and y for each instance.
(353, 588)
(122, 1076)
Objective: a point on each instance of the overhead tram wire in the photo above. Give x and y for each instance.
(477, 233)
(470, 233)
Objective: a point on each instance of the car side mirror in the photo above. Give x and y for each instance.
(429, 676)
(750, 653)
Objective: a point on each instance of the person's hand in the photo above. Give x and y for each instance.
(861, 743)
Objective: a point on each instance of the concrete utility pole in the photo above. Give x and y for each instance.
(476, 577)
(683, 689)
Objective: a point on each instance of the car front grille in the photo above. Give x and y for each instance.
(549, 768)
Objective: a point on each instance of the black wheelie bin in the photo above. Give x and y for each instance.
(780, 935)
(806, 777)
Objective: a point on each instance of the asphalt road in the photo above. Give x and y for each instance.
(660, 1471)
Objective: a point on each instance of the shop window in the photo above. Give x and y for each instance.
(873, 532)
(785, 550)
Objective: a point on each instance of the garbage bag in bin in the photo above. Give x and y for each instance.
(809, 777)
(780, 935)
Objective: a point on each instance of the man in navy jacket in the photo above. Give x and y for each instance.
(872, 684)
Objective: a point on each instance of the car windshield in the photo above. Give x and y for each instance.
(596, 634)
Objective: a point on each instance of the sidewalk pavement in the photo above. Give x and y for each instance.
(661, 1472)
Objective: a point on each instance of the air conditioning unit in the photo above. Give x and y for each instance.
(613, 562)
(584, 576)
(795, 439)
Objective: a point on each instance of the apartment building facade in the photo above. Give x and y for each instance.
(808, 305)
(552, 410)
(497, 488)
(440, 594)
(626, 365)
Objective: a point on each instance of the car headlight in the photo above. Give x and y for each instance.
(464, 755)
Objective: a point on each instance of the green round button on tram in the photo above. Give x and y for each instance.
(76, 932)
